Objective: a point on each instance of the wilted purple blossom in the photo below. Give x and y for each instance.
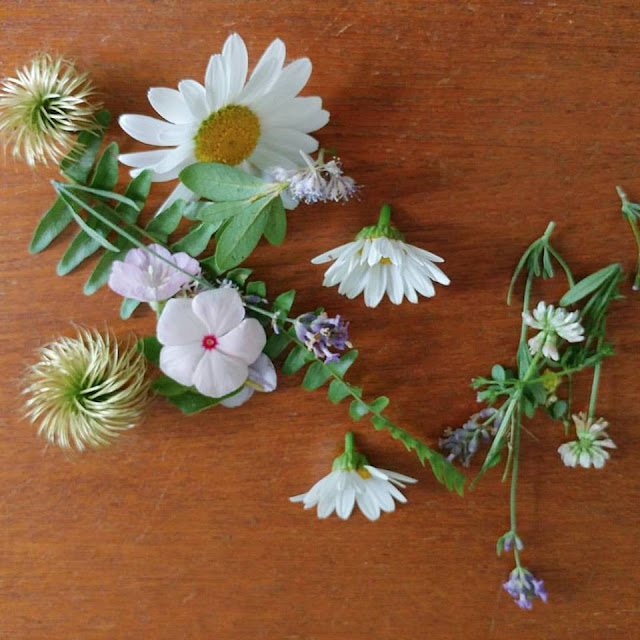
(318, 181)
(145, 277)
(320, 334)
(523, 587)
(463, 442)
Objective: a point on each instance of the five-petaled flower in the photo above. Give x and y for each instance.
(208, 343)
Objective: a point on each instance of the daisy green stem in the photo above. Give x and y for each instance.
(349, 446)
(385, 216)
(594, 390)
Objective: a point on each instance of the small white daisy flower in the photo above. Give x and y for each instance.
(590, 449)
(43, 107)
(378, 261)
(354, 481)
(254, 124)
(552, 323)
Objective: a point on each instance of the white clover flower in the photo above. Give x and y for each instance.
(253, 125)
(354, 481)
(552, 322)
(208, 343)
(317, 181)
(378, 261)
(590, 449)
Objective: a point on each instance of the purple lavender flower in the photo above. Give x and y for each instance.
(143, 276)
(522, 586)
(320, 334)
(463, 442)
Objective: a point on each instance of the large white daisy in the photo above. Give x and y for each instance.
(255, 125)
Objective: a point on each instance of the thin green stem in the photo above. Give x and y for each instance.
(349, 443)
(514, 486)
(636, 234)
(525, 306)
(385, 216)
(594, 390)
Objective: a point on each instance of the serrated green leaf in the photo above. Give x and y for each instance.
(241, 234)
(358, 410)
(340, 367)
(296, 359)
(275, 228)
(51, 225)
(220, 182)
(196, 241)
(587, 285)
(379, 404)
(166, 222)
(317, 374)
(498, 373)
(284, 302)
(127, 308)
(76, 166)
(150, 347)
(338, 391)
(276, 344)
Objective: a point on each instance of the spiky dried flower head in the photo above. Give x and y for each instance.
(85, 390)
(43, 106)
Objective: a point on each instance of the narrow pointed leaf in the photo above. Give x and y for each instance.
(77, 165)
(51, 225)
(128, 307)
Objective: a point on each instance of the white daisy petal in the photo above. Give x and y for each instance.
(169, 104)
(152, 131)
(195, 97)
(265, 73)
(144, 159)
(215, 82)
(289, 141)
(236, 58)
(174, 158)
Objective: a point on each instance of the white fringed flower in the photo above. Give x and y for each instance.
(43, 107)
(552, 322)
(354, 481)
(378, 261)
(253, 125)
(590, 449)
(208, 343)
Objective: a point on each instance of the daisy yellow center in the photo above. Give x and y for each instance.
(228, 136)
(385, 261)
(363, 473)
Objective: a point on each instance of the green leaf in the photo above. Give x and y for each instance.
(338, 391)
(137, 191)
(497, 373)
(128, 307)
(284, 302)
(276, 344)
(220, 182)
(197, 240)
(105, 176)
(296, 359)
(166, 386)
(379, 404)
(82, 245)
(256, 288)
(275, 229)
(558, 409)
(150, 348)
(100, 275)
(191, 402)
(219, 212)
(358, 409)
(239, 276)
(340, 367)
(241, 234)
(51, 225)
(166, 222)
(77, 165)
(588, 285)
(317, 374)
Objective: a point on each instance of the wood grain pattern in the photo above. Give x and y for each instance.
(479, 122)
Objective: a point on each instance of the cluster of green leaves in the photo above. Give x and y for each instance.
(243, 209)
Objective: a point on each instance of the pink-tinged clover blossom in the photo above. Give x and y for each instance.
(208, 343)
(145, 277)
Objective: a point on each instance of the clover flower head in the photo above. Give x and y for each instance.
(552, 323)
(320, 334)
(523, 587)
(147, 277)
(463, 442)
(43, 107)
(590, 449)
(317, 181)
(354, 481)
(85, 390)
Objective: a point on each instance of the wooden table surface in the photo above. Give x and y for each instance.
(479, 121)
